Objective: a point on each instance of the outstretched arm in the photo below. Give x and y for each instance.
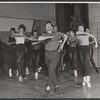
(61, 47)
(95, 40)
(42, 38)
(26, 37)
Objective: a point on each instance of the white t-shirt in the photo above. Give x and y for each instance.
(83, 38)
(20, 40)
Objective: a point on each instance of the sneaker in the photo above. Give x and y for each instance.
(47, 91)
(36, 75)
(39, 69)
(27, 71)
(56, 88)
(83, 83)
(89, 84)
(75, 73)
(10, 73)
(20, 79)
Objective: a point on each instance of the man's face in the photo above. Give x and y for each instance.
(49, 27)
(81, 28)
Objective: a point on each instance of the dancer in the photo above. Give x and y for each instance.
(52, 54)
(92, 42)
(36, 51)
(84, 52)
(73, 42)
(21, 50)
(12, 49)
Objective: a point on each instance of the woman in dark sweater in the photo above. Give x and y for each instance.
(73, 50)
(12, 49)
(36, 46)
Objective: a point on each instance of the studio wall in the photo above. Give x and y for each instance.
(94, 23)
(39, 11)
(13, 14)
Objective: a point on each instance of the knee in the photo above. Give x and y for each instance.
(51, 70)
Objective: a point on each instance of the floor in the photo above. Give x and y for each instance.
(70, 87)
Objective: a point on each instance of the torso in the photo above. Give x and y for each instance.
(53, 44)
(11, 39)
(20, 40)
(35, 44)
(73, 44)
(83, 38)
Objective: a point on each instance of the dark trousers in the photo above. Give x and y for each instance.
(28, 59)
(12, 50)
(20, 53)
(42, 58)
(84, 52)
(73, 56)
(36, 58)
(59, 65)
(51, 60)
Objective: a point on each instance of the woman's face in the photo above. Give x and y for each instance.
(81, 28)
(67, 33)
(55, 29)
(72, 33)
(35, 34)
(12, 32)
(49, 27)
(21, 30)
(87, 30)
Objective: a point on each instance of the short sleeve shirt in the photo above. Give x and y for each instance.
(53, 44)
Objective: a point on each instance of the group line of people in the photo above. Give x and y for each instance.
(53, 42)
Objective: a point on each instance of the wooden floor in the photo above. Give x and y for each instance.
(70, 87)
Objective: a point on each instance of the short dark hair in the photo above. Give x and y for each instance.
(87, 28)
(71, 30)
(22, 26)
(81, 24)
(49, 23)
(55, 26)
(12, 29)
(34, 31)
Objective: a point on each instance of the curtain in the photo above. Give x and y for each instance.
(81, 10)
(39, 25)
(63, 14)
(84, 14)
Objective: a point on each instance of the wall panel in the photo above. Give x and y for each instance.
(39, 11)
(13, 14)
(94, 23)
